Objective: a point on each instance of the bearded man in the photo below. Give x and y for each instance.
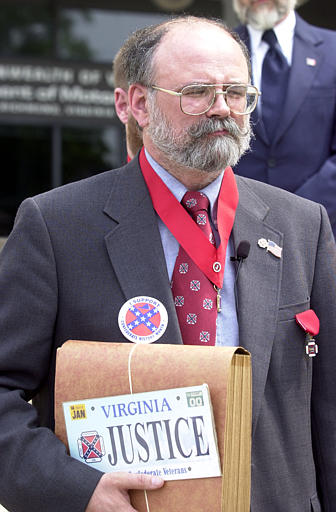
(295, 123)
(165, 226)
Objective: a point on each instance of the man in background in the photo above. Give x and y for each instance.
(294, 67)
(133, 134)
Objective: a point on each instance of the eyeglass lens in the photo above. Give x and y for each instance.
(197, 99)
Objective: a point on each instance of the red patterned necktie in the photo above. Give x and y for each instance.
(194, 294)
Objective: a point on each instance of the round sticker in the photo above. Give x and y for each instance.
(143, 319)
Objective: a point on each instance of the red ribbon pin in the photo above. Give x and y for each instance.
(310, 323)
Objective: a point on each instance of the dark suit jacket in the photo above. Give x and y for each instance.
(301, 157)
(77, 253)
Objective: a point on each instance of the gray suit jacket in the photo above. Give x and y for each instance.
(77, 253)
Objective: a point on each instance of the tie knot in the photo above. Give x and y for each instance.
(194, 201)
(271, 39)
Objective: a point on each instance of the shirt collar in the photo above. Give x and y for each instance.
(178, 189)
(285, 30)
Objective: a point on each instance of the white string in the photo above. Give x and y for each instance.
(146, 499)
(129, 368)
(131, 391)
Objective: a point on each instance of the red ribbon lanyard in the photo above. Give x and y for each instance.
(209, 259)
(309, 322)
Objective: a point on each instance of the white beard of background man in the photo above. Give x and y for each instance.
(262, 14)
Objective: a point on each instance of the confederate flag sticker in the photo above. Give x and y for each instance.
(143, 319)
(91, 446)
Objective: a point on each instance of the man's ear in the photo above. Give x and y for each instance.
(121, 104)
(137, 100)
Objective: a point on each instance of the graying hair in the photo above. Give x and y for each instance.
(136, 56)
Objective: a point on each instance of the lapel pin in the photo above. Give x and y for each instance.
(270, 246)
(310, 61)
(310, 323)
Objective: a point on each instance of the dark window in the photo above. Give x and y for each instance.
(25, 29)
(26, 156)
(89, 151)
(98, 34)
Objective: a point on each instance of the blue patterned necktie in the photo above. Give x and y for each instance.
(274, 81)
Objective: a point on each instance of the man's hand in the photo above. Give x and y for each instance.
(111, 493)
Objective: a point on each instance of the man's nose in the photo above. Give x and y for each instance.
(220, 107)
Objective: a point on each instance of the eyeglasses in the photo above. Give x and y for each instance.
(197, 99)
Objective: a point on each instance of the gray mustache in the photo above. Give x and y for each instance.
(213, 125)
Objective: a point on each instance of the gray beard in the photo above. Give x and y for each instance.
(262, 18)
(195, 148)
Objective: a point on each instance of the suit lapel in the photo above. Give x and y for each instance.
(258, 126)
(306, 62)
(258, 287)
(242, 31)
(141, 271)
